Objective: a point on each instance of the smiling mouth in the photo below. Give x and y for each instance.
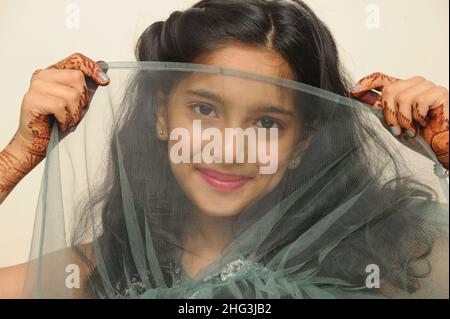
(221, 181)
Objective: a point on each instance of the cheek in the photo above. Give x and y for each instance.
(179, 120)
(183, 175)
(284, 154)
(267, 183)
(178, 114)
(286, 146)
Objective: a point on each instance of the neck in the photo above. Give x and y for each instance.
(209, 233)
(205, 239)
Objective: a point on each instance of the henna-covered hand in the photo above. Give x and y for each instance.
(58, 92)
(413, 107)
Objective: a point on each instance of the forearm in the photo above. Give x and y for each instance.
(16, 161)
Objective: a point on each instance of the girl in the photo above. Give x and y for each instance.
(223, 215)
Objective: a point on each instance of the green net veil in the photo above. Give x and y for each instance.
(190, 181)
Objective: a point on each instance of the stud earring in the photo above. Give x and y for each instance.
(293, 164)
(162, 132)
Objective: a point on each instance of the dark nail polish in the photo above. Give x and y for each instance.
(410, 133)
(356, 88)
(395, 131)
(103, 65)
(102, 76)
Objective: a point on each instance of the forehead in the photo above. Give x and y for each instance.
(236, 90)
(231, 91)
(262, 61)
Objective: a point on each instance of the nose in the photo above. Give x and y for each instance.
(230, 145)
(239, 145)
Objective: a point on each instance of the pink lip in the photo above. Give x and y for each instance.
(223, 182)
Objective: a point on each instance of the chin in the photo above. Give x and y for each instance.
(219, 210)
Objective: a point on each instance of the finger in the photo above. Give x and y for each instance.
(80, 62)
(72, 78)
(375, 81)
(91, 85)
(436, 133)
(70, 95)
(405, 119)
(405, 100)
(439, 115)
(392, 95)
(371, 98)
(420, 101)
(390, 110)
(49, 105)
(430, 100)
(404, 95)
(75, 102)
(435, 97)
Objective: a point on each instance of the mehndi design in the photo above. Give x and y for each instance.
(433, 127)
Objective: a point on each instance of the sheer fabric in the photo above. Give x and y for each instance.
(359, 214)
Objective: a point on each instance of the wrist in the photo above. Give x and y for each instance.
(16, 161)
(32, 150)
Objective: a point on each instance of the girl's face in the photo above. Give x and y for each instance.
(223, 102)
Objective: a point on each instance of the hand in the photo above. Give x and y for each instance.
(413, 107)
(59, 92)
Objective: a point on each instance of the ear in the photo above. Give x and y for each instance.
(298, 152)
(161, 117)
(295, 159)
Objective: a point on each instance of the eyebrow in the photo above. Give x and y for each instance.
(207, 95)
(274, 109)
(263, 109)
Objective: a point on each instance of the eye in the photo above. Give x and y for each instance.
(205, 109)
(268, 123)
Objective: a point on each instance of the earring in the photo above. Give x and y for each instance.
(292, 164)
(162, 132)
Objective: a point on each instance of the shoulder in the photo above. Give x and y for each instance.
(19, 281)
(12, 281)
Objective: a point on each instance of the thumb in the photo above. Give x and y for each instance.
(371, 98)
(91, 84)
(375, 81)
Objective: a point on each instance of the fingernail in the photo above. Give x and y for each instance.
(356, 88)
(103, 65)
(102, 76)
(395, 131)
(410, 133)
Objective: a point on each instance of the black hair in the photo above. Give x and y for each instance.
(293, 30)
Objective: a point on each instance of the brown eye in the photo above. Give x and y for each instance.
(268, 123)
(205, 109)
